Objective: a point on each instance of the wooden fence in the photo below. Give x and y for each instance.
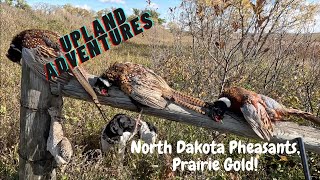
(36, 95)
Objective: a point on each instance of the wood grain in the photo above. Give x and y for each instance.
(232, 123)
(35, 161)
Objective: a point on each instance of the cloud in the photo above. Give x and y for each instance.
(113, 1)
(153, 5)
(86, 7)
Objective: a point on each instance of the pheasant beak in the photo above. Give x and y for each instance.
(101, 86)
(216, 114)
(218, 109)
(218, 118)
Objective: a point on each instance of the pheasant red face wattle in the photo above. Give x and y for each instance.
(104, 92)
(218, 118)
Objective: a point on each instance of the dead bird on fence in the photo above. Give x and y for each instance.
(258, 110)
(123, 128)
(146, 87)
(38, 47)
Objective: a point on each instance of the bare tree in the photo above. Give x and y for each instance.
(262, 45)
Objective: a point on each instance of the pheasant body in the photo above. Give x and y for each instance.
(148, 88)
(39, 47)
(253, 109)
(258, 110)
(279, 112)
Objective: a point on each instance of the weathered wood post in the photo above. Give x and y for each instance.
(35, 161)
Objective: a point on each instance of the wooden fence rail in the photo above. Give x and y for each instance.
(36, 96)
(231, 123)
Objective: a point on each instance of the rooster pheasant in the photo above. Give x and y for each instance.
(39, 47)
(258, 110)
(145, 87)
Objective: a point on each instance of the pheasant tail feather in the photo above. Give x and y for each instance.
(188, 99)
(80, 75)
(303, 114)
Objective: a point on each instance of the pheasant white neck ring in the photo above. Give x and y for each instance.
(226, 101)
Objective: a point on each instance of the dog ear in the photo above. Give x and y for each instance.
(124, 121)
(115, 128)
(128, 123)
(120, 131)
(131, 124)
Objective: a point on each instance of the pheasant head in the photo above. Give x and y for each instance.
(101, 86)
(218, 108)
(109, 77)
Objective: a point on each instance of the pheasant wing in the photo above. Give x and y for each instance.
(157, 79)
(148, 96)
(271, 103)
(145, 90)
(258, 120)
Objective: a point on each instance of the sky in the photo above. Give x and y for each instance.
(161, 6)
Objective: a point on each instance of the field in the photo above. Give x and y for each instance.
(172, 58)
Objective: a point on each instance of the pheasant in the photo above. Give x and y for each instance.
(278, 112)
(39, 47)
(258, 110)
(145, 87)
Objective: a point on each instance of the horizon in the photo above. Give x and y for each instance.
(161, 7)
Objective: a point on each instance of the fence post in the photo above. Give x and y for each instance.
(35, 161)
